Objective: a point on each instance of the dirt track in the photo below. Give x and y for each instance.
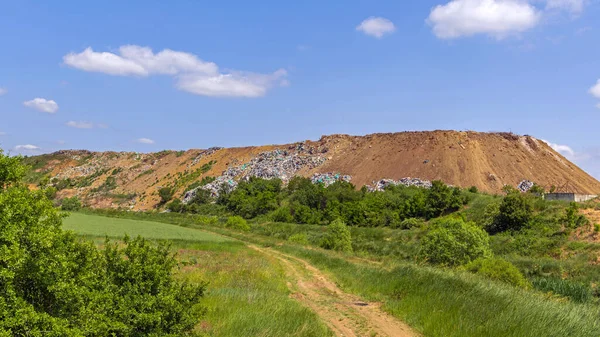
(345, 314)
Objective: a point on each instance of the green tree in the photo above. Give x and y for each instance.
(453, 242)
(514, 213)
(53, 283)
(338, 237)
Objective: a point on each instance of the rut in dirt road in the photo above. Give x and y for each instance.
(345, 314)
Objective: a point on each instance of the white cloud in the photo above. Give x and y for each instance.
(598, 105)
(107, 63)
(167, 62)
(562, 149)
(498, 18)
(145, 141)
(192, 74)
(376, 26)
(80, 125)
(595, 90)
(232, 85)
(573, 6)
(2, 133)
(3, 91)
(27, 147)
(42, 104)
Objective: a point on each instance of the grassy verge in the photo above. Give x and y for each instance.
(247, 294)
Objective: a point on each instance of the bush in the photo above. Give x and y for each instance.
(572, 218)
(300, 238)
(452, 242)
(473, 189)
(282, 214)
(70, 204)
(237, 223)
(411, 223)
(498, 269)
(175, 206)
(514, 213)
(166, 194)
(53, 283)
(338, 237)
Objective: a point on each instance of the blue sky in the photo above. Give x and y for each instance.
(153, 75)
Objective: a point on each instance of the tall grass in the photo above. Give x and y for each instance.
(247, 293)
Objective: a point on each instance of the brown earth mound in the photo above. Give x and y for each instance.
(485, 160)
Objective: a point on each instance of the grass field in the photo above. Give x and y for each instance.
(247, 293)
(93, 225)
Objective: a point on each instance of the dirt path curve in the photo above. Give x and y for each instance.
(345, 314)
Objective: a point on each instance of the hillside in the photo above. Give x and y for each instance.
(485, 160)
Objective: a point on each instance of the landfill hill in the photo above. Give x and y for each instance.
(485, 160)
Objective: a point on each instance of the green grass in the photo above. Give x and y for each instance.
(93, 225)
(247, 293)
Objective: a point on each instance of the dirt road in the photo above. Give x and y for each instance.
(345, 314)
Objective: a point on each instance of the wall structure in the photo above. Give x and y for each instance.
(569, 197)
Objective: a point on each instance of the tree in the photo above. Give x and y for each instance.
(53, 283)
(514, 213)
(338, 237)
(453, 242)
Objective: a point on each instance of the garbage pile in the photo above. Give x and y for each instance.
(203, 154)
(384, 183)
(280, 164)
(329, 178)
(525, 186)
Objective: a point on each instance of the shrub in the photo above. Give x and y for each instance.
(175, 206)
(452, 242)
(572, 218)
(338, 237)
(300, 238)
(514, 213)
(54, 283)
(411, 223)
(70, 204)
(238, 223)
(166, 194)
(498, 269)
(282, 214)
(473, 189)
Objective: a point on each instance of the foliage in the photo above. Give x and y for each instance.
(166, 194)
(238, 223)
(11, 170)
(299, 238)
(514, 213)
(338, 237)
(411, 223)
(453, 242)
(52, 284)
(572, 218)
(498, 269)
(70, 204)
(253, 197)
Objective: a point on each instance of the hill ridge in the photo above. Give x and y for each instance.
(487, 160)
